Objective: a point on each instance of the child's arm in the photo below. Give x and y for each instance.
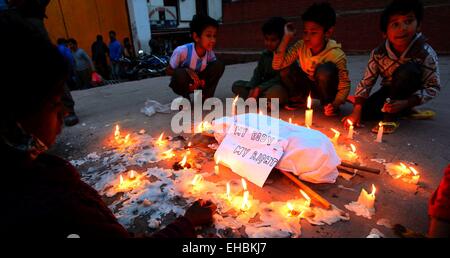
(430, 78)
(282, 60)
(344, 82)
(366, 84)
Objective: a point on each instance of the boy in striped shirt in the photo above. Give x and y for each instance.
(194, 66)
(322, 65)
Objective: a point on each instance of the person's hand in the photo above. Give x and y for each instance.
(201, 213)
(330, 110)
(355, 117)
(254, 93)
(395, 106)
(289, 31)
(196, 80)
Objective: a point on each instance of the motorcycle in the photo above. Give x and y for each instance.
(143, 66)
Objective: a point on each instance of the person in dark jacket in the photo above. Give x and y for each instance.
(34, 12)
(100, 51)
(42, 194)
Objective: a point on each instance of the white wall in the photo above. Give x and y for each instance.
(140, 24)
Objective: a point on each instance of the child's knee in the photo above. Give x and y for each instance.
(326, 72)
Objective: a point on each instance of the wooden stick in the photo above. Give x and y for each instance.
(315, 197)
(349, 171)
(362, 168)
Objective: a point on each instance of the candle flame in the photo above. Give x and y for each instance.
(353, 148)
(244, 184)
(245, 203)
(350, 122)
(183, 161)
(160, 139)
(403, 166)
(290, 208)
(235, 100)
(127, 139)
(374, 190)
(228, 191)
(261, 113)
(131, 174)
(189, 144)
(335, 131)
(414, 171)
(290, 120)
(197, 179)
(117, 133)
(307, 198)
(380, 124)
(309, 102)
(121, 180)
(169, 153)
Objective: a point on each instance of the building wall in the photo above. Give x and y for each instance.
(85, 19)
(357, 24)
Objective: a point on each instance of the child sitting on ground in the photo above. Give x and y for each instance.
(322, 65)
(194, 66)
(265, 82)
(408, 67)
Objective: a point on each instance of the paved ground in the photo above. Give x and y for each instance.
(423, 142)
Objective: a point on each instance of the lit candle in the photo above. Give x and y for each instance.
(307, 198)
(380, 133)
(290, 120)
(350, 131)
(309, 113)
(291, 211)
(244, 184)
(337, 134)
(196, 182)
(366, 199)
(183, 161)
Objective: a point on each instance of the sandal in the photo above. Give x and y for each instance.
(421, 115)
(388, 127)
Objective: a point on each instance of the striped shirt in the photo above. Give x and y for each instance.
(185, 56)
(383, 62)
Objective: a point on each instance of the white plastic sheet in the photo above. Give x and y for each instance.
(308, 153)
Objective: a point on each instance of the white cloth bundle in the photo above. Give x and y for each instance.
(308, 153)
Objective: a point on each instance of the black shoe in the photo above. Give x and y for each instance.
(71, 119)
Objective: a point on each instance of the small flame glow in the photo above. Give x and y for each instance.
(245, 203)
(290, 120)
(169, 154)
(160, 140)
(309, 102)
(374, 190)
(235, 100)
(197, 179)
(404, 167)
(380, 124)
(244, 184)
(228, 191)
(336, 132)
(414, 171)
(117, 133)
(127, 139)
(353, 148)
(131, 174)
(121, 180)
(183, 161)
(350, 122)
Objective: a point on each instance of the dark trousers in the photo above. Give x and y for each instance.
(406, 80)
(84, 79)
(324, 86)
(211, 75)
